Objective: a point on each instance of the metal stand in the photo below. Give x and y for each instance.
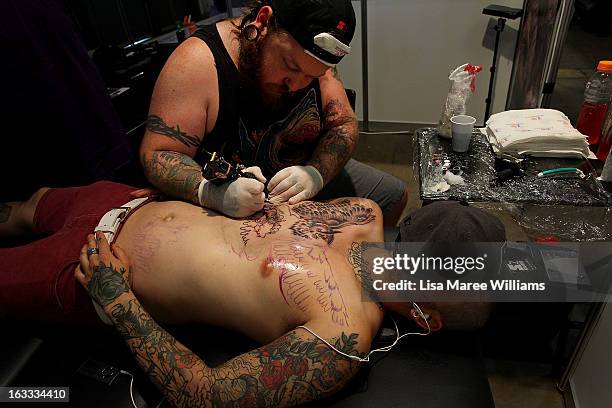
(499, 27)
(564, 17)
(230, 9)
(364, 64)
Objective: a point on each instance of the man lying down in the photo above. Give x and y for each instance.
(285, 277)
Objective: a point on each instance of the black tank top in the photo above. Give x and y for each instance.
(271, 142)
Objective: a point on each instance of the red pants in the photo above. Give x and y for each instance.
(37, 280)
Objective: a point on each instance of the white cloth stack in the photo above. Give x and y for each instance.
(535, 132)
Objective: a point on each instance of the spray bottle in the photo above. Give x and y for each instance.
(463, 84)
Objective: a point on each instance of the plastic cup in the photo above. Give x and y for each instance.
(462, 127)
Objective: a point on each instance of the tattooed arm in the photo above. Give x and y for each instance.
(184, 106)
(173, 173)
(291, 370)
(177, 121)
(341, 130)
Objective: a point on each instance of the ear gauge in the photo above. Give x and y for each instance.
(415, 315)
(251, 32)
(432, 322)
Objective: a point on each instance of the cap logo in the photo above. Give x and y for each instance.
(341, 26)
(331, 44)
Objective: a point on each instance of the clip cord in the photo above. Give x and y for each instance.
(561, 170)
(131, 386)
(381, 349)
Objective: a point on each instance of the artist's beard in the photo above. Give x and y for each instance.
(270, 98)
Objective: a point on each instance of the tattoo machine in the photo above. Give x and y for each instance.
(508, 167)
(217, 170)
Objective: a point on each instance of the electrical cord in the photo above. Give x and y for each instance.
(415, 313)
(131, 386)
(381, 349)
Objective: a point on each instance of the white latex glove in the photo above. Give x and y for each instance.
(294, 184)
(240, 198)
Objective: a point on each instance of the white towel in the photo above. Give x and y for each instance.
(537, 132)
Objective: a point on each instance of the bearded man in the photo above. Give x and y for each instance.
(260, 90)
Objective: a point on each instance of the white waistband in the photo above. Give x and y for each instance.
(111, 221)
(109, 224)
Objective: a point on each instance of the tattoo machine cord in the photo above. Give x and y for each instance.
(386, 348)
(131, 386)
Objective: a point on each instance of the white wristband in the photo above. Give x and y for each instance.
(201, 191)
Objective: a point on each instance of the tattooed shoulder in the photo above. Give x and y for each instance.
(324, 220)
(359, 264)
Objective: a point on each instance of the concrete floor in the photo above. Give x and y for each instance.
(514, 383)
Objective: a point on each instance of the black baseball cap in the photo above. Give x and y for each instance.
(324, 28)
(451, 221)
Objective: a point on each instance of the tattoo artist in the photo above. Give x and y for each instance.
(260, 90)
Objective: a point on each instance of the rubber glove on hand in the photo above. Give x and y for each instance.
(294, 184)
(240, 198)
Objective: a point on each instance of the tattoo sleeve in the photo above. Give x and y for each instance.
(5, 212)
(337, 144)
(107, 284)
(174, 173)
(293, 369)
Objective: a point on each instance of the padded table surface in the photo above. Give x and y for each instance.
(441, 370)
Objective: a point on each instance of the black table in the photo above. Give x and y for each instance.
(570, 209)
(478, 169)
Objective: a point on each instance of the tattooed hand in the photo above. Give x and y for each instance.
(105, 275)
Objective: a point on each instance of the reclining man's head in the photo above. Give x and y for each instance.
(451, 222)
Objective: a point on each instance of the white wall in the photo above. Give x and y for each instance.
(592, 378)
(413, 45)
